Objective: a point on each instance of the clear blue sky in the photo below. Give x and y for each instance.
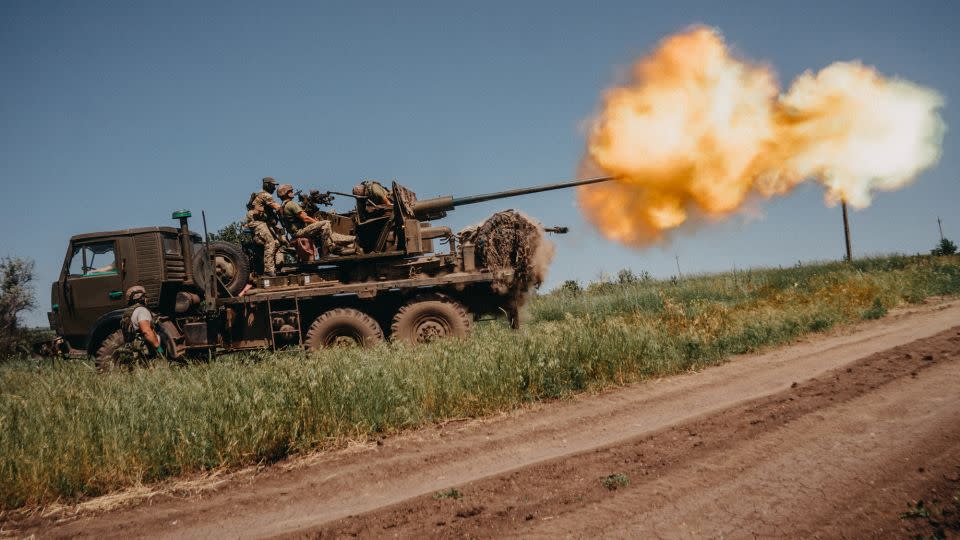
(113, 114)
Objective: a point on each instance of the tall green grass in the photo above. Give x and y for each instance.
(68, 432)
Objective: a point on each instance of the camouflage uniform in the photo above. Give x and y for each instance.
(375, 192)
(376, 199)
(319, 230)
(260, 227)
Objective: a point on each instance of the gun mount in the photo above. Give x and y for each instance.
(404, 229)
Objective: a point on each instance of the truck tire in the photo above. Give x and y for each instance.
(343, 327)
(105, 359)
(231, 264)
(427, 318)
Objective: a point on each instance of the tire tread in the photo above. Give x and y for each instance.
(457, 308)
(367, 322)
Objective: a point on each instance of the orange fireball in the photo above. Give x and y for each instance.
(697, 131)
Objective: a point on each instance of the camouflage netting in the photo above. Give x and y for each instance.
(509, 239)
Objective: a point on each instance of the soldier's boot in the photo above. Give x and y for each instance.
(330, 240)
(344, 244)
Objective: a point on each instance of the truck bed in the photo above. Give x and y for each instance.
(363, 290)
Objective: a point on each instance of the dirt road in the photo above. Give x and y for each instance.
(831, 437)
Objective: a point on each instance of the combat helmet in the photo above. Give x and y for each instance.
(135, 293)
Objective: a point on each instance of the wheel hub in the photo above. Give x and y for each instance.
(224, 268)
(430, 330)
(342, 340)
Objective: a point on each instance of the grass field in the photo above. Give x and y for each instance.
(68, 432)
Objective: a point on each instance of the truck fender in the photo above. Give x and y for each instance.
(107, 324)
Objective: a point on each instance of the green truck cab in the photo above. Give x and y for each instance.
(87, 300)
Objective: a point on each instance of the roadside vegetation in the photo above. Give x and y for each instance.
(68, 432)
(16, 296)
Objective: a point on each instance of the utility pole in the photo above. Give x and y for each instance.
(679, 273)
(846, 229)
(940, 224)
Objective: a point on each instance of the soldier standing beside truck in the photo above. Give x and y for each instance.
(141, 342)
(261, 219)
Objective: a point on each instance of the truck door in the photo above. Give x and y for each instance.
(92, 286)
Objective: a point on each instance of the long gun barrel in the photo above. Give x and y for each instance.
(436, 207)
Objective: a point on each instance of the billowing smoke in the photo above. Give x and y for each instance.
(696, 132)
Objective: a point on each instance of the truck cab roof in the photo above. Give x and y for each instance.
(127, 232)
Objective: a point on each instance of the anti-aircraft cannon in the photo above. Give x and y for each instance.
(403, 229)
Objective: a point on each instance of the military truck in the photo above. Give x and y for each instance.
(209, 297)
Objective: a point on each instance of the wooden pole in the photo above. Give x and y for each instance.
(940, 224)
(846, 229)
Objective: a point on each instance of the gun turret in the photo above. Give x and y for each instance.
(438, 207)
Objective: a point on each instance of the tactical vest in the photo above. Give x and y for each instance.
(252, 213)
(372, 188)
(260, 203)
(126, 324)
(366, 207)
(135, 347)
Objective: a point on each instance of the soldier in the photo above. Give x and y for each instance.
(140, 339)
(262, 215)
(374, 199)
(303, 226)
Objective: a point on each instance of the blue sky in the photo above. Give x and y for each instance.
(113, 114)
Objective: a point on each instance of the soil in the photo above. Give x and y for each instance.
(838, 436)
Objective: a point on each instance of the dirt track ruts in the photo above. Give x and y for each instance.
(826, 437)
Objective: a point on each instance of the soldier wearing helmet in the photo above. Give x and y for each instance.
(140, 338)
(302, 225)
(372, 199)
(262, 213)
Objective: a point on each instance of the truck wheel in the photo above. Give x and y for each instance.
(343, 327)
(427, 318)
(231, 265)
(106, 358)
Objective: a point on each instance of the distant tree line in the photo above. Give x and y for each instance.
(232, 232)
(945, 247)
